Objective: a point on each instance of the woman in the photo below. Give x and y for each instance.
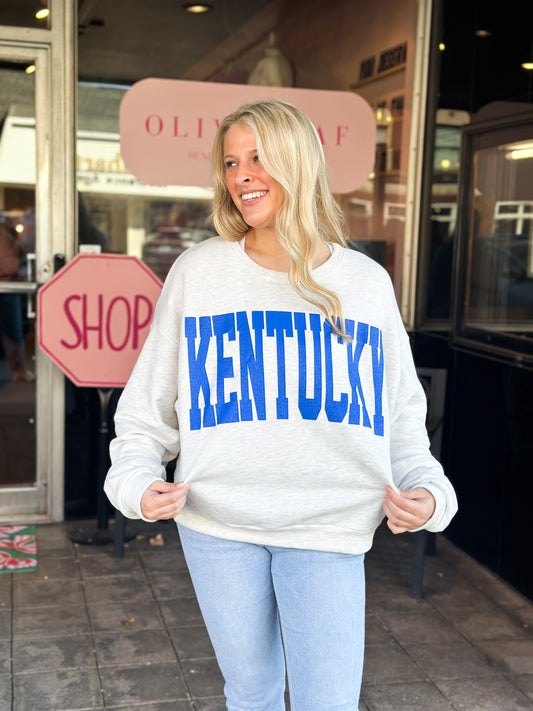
(278, 368)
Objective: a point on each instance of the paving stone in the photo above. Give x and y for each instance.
(5, 624)
(398, 601)
(105, 564)
(132, 645)
(192, 642)
(5, 692)
(203, 677)
(114, 588)
(484, 695)
(388, 663)
(5, 589)
(424, 626)
(488, 624)
(375, 631)
(53, 541)
(169, 585)
(55, 568)
(502, 593)
(50, 621)
(74, 652)
(163, 561)
(57, 689)
(123, 616)
(516, 656)
(458, 596)
(5, 657)
(525, 683)
(419, 696)
(217, 703)
(149, 682)
(450, 661)
(180, 612)
(47, 593)
(178, 705)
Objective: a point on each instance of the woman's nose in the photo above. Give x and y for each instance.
(243, 174)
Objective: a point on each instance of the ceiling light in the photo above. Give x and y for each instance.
(30, 69)
(442, 46)
(520, 154)
(42, 14)
(197, 8)
(483, 33)
(527, 65)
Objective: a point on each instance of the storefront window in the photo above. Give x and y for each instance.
(25, 13)
(478, 56)
(18, 248)
(496, 238)
(237, 45)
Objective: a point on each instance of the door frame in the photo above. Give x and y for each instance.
(55, 53)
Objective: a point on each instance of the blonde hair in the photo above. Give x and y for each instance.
(289, 148)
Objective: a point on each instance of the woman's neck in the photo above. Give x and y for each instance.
(264, 248)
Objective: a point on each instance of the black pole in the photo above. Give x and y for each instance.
(104, 396)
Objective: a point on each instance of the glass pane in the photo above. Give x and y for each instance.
(25, 13)
(17, 286)
(500, 276)
(230, 44)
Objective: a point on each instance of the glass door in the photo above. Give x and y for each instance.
(23, 216)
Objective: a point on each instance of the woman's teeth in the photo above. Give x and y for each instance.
(251, 196)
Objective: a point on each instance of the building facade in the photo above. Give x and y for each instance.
(445, 211)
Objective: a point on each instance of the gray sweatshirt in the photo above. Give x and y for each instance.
(287, 434)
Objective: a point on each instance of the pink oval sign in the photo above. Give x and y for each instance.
(167, 129)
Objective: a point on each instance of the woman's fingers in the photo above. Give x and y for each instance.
(408, 510)
(163, 500)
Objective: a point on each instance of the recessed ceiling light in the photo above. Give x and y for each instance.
(483, 33)
(42, 14)
(527, 65)
(197, 8)
(30, 69)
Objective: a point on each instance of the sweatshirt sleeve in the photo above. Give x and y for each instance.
(413, 465)
(146, 425)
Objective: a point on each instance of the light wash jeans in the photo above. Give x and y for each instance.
(247, 591)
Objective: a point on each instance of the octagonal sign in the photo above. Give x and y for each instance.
(94, 316)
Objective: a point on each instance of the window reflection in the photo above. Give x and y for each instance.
(500, 277)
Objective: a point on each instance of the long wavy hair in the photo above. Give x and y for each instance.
(290, 149)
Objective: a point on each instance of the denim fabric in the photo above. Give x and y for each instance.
(253, 596)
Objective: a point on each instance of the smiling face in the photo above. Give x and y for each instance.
(255, 193)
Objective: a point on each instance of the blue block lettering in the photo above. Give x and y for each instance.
(309, 406)
(279, 323)
(376, 344)
(335, 409)
(227, 410)
(354, 356)
(198, 379)
(251, 365)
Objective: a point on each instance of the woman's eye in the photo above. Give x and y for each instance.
(229, 164)
(257, 159)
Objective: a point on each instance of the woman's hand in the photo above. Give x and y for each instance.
(409, 509)
(163, 499)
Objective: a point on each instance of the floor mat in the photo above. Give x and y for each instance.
(18, 549)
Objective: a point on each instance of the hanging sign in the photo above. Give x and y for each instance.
(94, 316)
(167, 129)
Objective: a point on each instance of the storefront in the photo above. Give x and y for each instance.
(64, 186)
